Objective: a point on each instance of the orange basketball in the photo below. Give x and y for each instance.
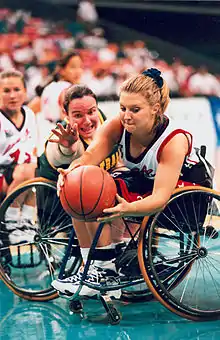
(87, 191)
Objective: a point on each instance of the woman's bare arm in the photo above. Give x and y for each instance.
(167, 175)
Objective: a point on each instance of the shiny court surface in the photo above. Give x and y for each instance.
(26, 320)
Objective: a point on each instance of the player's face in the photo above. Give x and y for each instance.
(84, 112)
(72, 72)
(12, 94)
(137, 116)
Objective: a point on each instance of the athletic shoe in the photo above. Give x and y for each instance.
(20, 232)
(96, 276)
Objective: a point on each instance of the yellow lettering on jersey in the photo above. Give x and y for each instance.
(102, 165)
(107, 163)
(110, 162)
(113, 159)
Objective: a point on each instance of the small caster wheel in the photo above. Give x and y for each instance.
(76, 306)
(114, 316)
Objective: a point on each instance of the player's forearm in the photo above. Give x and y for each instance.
(95, 153)
(58, 154)
(147, 206)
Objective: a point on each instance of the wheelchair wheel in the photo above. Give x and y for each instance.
(32, 251)
(179, 253)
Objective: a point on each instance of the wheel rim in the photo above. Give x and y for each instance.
(29, 265)
(191, 254)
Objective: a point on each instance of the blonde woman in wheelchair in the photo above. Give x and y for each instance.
(159, 154)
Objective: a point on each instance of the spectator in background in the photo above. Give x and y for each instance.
(108, 53)
(23, 53)
(35, 75)
(93, 40)
(5, 61)
(180, 71)
(203, 83)
(50, 96)
(87, 14)
(103, 82)
(17, 20)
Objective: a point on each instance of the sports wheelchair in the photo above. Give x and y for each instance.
(173, 256)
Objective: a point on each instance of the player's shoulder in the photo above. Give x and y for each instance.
(59, 85)
(28, 111)
(102, 116)
(55, 88)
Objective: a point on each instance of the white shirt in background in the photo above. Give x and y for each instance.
(206, 84)
(50, 106)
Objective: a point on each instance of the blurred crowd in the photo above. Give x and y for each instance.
(34, 46)
(48, 57)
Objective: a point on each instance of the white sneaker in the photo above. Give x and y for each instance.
(20, 232)
(95, 276)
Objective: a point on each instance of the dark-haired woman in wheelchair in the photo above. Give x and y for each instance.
(68, 142)
(159, 154)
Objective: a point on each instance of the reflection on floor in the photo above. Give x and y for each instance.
(26, 320)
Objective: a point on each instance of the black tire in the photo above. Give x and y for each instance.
(179, 254)
(28, 267)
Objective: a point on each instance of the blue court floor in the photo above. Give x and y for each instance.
(26, 320)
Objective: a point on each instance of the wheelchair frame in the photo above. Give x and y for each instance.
(161, 285)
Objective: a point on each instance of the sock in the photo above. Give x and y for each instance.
(126, 240)
(12, 214)
(107, 264)
(28, 212)
(84, 253)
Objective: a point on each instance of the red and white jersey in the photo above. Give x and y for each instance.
(50, 106)
(17, 144)
(148, 161)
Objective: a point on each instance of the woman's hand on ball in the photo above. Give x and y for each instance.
(122, 209)
(67, 136)
(61, 178)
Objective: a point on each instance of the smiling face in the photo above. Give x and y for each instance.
(72, 71)
(137, 116)
(12, 94)
(84, 112)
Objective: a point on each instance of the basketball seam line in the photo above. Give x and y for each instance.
(81, 198)
(97, 201)
(75, 212)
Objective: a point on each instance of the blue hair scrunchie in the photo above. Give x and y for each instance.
(155, 74)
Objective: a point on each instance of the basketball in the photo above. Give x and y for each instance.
(87, 191)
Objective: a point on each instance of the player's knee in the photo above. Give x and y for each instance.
(29, 171)
(24, 172)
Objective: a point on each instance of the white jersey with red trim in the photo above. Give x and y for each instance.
(17, 144)
(148, 161)
(50, 106)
